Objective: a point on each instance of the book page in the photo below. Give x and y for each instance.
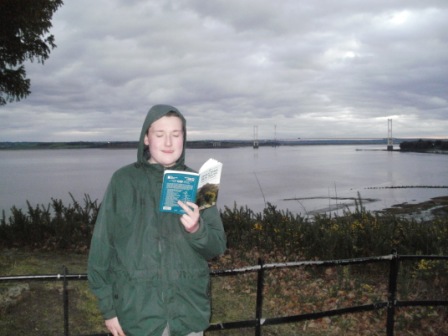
(210, 172)
(208, 186)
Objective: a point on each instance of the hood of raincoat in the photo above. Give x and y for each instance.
(156, 112)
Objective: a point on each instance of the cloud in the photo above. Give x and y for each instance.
(307, 69)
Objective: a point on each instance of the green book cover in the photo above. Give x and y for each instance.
(200, 188)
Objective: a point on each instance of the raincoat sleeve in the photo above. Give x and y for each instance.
(210, 239)
(100, 254)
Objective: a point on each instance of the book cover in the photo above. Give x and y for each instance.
(200, 188)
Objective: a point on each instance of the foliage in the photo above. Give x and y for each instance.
(24, 28)
(424, 145)
(275, 232)
(55, 226)
(354, 234)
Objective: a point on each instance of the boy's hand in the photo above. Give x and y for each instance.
(190, 220)
(114, 327)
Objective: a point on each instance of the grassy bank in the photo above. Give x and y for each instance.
(40, 240)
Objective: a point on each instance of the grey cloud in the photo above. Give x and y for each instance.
(316, 69)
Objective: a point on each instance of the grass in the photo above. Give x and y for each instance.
(303, 290)
(39, 311)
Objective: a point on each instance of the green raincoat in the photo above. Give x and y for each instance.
(143, 266)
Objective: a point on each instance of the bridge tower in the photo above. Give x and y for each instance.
(255, 145)
(390, 140)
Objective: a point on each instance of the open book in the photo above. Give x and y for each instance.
(200, 188)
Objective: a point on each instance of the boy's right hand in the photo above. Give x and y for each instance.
(114, 327)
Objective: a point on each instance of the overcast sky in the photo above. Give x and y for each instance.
(293, 68)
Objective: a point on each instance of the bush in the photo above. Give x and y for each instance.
(49, 228)
(352, 235)
(272, 232)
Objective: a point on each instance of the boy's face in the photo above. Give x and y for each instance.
(165, 139)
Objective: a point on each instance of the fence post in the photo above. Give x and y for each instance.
(259, 307)
(392, 294)
(65, 301)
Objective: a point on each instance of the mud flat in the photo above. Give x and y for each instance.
(434, 208)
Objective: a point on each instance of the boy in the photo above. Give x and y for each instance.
(148, 268)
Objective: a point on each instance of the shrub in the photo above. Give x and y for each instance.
(272, 232)
(56, 226)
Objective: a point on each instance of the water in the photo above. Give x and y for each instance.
(303, 179)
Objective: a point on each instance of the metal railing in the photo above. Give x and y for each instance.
(259, 322)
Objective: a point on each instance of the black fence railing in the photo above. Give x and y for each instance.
(259, 322)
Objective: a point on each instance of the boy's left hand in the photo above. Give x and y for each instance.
(190, 220)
